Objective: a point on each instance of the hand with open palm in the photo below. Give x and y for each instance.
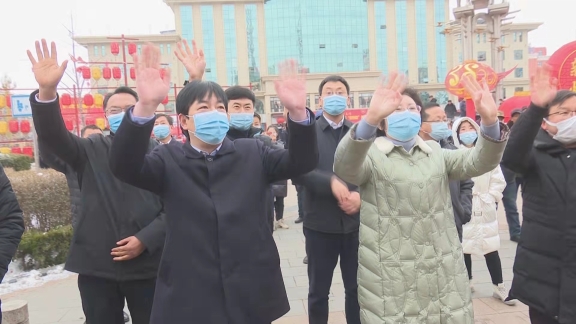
(193, 60)
(291, 90)
(151, 86)
(543, 87)
(46, 69)
(482, 98)
(387, 98)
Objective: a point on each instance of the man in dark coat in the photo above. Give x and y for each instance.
(11, 225)
(331, 206)
(220, 264)
(450, 110)
(118, 241)
(541, 148)
(435, 128)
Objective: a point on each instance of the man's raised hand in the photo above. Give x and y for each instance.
(46, 69)
(151, 87)
(291, 90)
(193, 60)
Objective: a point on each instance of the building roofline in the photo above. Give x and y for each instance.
(98, 39)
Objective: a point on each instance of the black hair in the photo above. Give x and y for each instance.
(334, 78)
(256, 115)
(561, 97)
(194, 91)
(168, 118)
(238, 92)
(87, 127)
(427, 106)
(119, 90)
(414, 95)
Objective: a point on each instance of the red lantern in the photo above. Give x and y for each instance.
(117, 73)
(563, 63)
(131, 48)
(66, 100)
(27, 150)
(89, 121)
(165, 101)
(8, 101)
(106, 73)
(69, 124)
(25, 126)
(86, 73)
(162, 73)
(88, 100)
(114, 48)
(133, 73)
(16, 150)
(13, 126)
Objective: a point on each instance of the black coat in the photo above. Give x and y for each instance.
(11, 223)
(461, 194)
(450, 110)
(545, 264)
(111, 209)
(321, 210)
(220, 262)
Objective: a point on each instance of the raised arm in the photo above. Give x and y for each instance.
(46, 114)
(11, 223)
(50, 159)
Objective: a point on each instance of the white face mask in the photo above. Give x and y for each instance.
(566, 130)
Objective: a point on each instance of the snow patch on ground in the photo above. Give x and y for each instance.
(17, 279)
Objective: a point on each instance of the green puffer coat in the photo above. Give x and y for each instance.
(411, 266)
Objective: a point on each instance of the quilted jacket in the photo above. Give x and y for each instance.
(411, 268)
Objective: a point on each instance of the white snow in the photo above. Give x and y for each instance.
(17, 279)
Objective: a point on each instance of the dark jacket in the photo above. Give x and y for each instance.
(11, 223)
(280, 187)
(545, 264)
(321, 210)
(111, 209)
(461, 194)
(220, 263)
(234, 134)
(50, 160)
(450, 110)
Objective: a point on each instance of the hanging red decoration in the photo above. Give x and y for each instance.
(106, 73)
(16, 150)
(25, 126)
(117, 73)
(88, 100)
(86, 73)
(27, 150)
(13, 126)
(90, 120)
(69, 124)
(66, 100)
(165, 101)
(131, 48)
(114, 48)
(133, 73)
(8, 101)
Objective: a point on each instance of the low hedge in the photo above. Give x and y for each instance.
(18, 162)
(39, 250)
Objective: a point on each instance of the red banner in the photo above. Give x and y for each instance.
(354, 115)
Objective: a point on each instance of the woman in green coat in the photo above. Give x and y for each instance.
(411, 266)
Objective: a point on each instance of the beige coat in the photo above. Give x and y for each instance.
(411, 267)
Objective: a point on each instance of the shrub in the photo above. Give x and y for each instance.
(40, 250)
(43, 197)
(18, 162)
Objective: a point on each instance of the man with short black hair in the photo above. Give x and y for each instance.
(163, 129)
(241, 110)
(257, 122)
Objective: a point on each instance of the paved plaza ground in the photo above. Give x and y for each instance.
(58, 302)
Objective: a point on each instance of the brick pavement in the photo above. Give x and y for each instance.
(58, 302)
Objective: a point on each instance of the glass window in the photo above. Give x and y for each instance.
(484, 37)
(364, 100)
(103, 48)
(168, 48)
(381, 36)
(518, 54)
(186, 27)
(230, 43)
(520, 36)
(96, 48)
(139, 49)
(503, 54)
(460, 59)
(518, 89)
(253, 46)
(478, 38)
(519, 72)
(275, 105)
(515, 36)
(422, 41)
(440, 8)
(161, 48)
(481, 56)
(296, 28)
(402, 36)
(207, 13)
(351, 98)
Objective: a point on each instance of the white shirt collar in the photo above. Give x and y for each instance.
(333, 124)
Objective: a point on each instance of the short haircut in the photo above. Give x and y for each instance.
(413, 93)
(117, 91)
(561, 97)
(238, 92)
(427, 106)
(87, 127)
(256, 115)
(333, 78)
(198, 90)
(168, 118)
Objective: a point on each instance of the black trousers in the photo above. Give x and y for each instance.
(323, 250)
(300, 197)
(492, 262)
(279, 207)
(103, 299)
(538, 318)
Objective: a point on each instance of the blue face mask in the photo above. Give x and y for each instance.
(468, 138)
(161, 131)
(241, 121)
(211, 126)
(403, 126)
(334, 105)
(440, 131)
(114, 121)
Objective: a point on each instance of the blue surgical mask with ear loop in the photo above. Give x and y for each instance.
(114, 121)
(468, 138)
(440, 131)
(334, 105)
(403, 126)
(211, 126)
(161, 131)
(241, 121)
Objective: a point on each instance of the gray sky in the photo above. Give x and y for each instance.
(26, 21)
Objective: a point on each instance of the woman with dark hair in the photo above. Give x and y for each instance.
(279, 188)
(411, 267)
